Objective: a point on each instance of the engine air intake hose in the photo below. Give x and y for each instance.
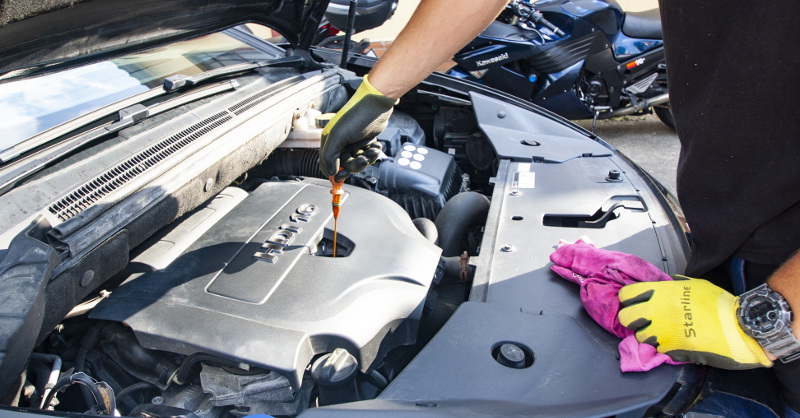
(458, 215)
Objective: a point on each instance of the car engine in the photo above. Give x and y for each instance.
(262, 281)
(241, 307)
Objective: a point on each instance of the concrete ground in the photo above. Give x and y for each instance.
(646, 141)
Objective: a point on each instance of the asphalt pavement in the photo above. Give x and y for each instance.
(646, 141)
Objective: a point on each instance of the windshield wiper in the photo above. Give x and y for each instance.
(169, 85)
(130, 111)
(180, 81)
(12, 173)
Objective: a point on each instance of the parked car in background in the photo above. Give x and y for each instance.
(165, 241)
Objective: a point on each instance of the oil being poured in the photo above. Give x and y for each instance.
(336, 202)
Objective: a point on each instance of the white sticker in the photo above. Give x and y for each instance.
(403, 161)
(422, 150)
(406, 154)
(415, 165)
(409, 147)
(451, 151)
(523, 177)
(419, 157)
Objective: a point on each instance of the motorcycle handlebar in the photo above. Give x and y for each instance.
(539, 19)
(525, 12)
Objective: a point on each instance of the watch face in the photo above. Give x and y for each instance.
(761, 314)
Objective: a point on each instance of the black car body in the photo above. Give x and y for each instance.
(165, 249)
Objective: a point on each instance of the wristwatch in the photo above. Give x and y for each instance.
(766, 316)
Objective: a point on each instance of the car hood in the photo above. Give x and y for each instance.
(41, 36)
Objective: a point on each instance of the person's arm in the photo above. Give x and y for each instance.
(786, 281)
(435, 32)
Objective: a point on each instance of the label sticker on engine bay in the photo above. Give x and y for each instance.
(524, 178)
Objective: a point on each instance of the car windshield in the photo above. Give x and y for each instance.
(32, 106)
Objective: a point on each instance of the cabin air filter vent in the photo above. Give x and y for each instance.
(114, 178)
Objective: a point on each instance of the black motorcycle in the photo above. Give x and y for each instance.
(580, 59)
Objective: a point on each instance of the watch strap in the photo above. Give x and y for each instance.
(783, 344)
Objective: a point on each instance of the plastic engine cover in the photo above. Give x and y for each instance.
(252, 288)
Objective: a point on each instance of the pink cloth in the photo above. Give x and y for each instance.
(601, 274)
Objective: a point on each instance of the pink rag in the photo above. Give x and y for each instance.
(601, 274)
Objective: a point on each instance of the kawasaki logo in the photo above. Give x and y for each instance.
(501, 57)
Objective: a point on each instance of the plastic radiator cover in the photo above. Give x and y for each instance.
(251, 287)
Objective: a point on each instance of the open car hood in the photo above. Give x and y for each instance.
(51, 35)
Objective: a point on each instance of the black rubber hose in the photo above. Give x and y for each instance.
(133, 388)
(85, 381)
(41, 374)
(460, 213)
(298, 162)
(133, 355)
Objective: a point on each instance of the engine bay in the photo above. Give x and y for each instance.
(235, 305)
(238, 306)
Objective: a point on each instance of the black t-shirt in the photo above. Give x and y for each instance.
(734, 91)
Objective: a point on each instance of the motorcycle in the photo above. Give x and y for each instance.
(580, 59)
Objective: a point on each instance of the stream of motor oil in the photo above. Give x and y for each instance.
(336, 202)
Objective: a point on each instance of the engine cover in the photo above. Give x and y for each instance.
(253, 288)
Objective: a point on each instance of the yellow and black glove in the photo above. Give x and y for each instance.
(690, 320)
(348, 141)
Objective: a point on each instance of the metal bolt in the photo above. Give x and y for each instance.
(372, 180)
(501, 114)
(510, 355)
(507, 248)
(515, 193)
(158, 400)
(614, 175)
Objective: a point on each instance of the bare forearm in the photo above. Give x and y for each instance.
(436, 31)
(786, 281)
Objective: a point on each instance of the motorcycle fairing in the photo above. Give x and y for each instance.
(482, 53)
(626, 47)
(560, 96)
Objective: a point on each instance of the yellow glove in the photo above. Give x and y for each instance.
(690, 320)
(348, 141)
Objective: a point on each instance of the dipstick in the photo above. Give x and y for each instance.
(336, 202)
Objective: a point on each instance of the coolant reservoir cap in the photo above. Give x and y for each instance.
(322, 120)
